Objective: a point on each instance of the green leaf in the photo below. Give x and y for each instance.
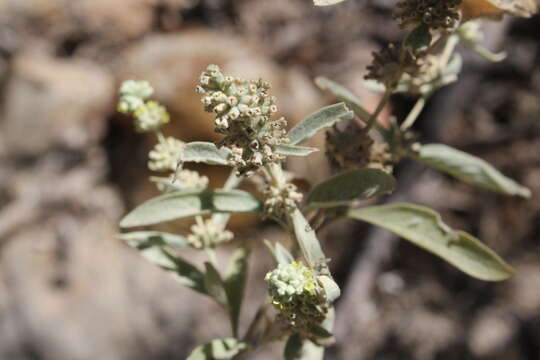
(470, 169)
(358, 184)
(142, 238)
(188, 203)
(419, 38)
(235, 283)
(154, 249)
(424, 227)
(280, 253)
(326, 2)
(309, 244)
(214, 285)
(219, 349)
(298, 349)
(293, 150)
(205, 152)
(323, 118)
(343, 94)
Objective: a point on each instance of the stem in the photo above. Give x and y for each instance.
(382, 103)
(232, 182)
(414, 113)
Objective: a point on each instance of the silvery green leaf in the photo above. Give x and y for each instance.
(188, 203)
(219, 349)
(298, 349)
(342, 189)
(470, 169)
(424, 227)
(343, 94)
(326, 2)
(322, 118)
(214, 285)
(143, 238)
(280, 253)
(205, 152)
(309, 244)
(293, 150)
(330, 287)
(235, 283)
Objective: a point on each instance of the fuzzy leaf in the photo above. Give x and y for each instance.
(470, 169)
(140, 238)
(188, 203)
(341, 93)
(293, 150)
(349, 186)
(424, 227)
(205, 152)
(235, 283)
(280, 254)
(154, 249)
(214, 285)
(330, 287)
(326, 2)
(309, 244)
(322, 118)
(219, 349)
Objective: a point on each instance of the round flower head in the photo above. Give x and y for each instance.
(132, 95)
(208, 234)
(243, 111)
(150, 116)
(166, 155)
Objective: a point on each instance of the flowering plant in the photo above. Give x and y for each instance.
(361, 151)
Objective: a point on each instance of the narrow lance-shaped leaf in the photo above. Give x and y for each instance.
(280, 253)
(469, 168)
(326, 2)
(235, 283)
(349, 186)
(309, 244)
(188, 203)
(341, 93)
(214, 285)
(140, 238)
(293, 150)
(424, 227)
(205, 152)
(219, 349)
(323, 118)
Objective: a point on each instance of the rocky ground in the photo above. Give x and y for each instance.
(70, 167)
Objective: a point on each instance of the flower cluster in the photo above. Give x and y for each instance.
(352, 147)
(429, 76)
(208, 234)
(149, 115)
(390, 63)
(166, 154)
(243, 115)
(298, 297)
(182, 180)
(280, 200)
(436, 14)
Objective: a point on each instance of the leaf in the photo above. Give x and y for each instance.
(326, 2)
(219, 349)
(154, 249)
(280, 253)
(214, 285)
(330, 287)
(309, 244)
(325, 117)
(349, 186)
(424, 227)
(341, 93)
(298, 349)
(470, 169)
(293, 150)
(205, 152)
(235, 283)
(188, 203)
(142, 238)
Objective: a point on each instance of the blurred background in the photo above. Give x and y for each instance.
(70, 168)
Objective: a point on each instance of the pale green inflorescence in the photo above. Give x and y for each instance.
(280, 201)
(298, 297)
(243, 115)
(133, 94)
(150, 116)
(166, 155)
(208, 234)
